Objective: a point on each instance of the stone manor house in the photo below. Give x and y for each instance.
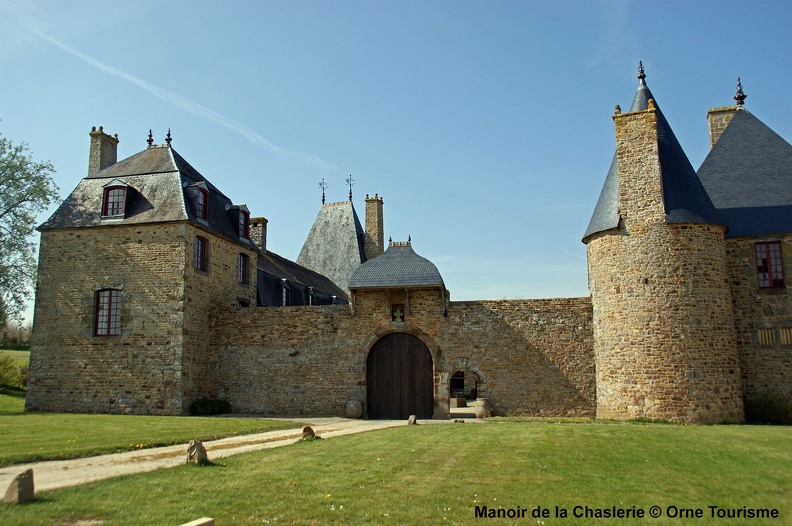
(155, 289)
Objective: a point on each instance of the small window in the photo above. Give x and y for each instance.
(285, 294)
(114, 201)
(767, 336)
(201, 259)
(769, 266)
(244, 224)
(202, 204)
(242, 269)
(108, 313)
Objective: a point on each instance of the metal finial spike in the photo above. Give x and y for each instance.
(323, 186)
(351, 183)
(641, 74)
(409, 239)
(168, 138)
(390, 240)
(740, 97)
(150, 139)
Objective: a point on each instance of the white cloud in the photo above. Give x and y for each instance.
(186, 104)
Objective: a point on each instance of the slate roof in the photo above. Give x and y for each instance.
(684, 197)
(399, 266)
(748, 175)
(335, 246)
(161, 188)
(282, 268)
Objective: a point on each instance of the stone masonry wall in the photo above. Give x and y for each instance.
(71, 370)
(215, 290)
(763, 319)
(531, 357)
(718, 119)
(663, 321)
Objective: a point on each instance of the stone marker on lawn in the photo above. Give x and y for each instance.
(196, 453)
(21, 489)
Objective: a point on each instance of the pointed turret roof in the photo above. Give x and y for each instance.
(335, 246)
(684, 197)
(748, 175)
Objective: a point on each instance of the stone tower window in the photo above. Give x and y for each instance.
(201, 256)
(202, 204)
(108, 313)
(769, 265)
(242, 269)
(114, 201)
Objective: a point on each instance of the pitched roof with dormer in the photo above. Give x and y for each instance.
(748, 175)
(684, 197)
(397, 267)
(161, 187)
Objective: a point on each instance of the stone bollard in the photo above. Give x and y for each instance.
(412, 420)
(196, 453)
(354, 408)
(21, 489)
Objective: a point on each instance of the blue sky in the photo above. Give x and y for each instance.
(485, 126)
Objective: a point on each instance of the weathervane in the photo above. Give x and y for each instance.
(168, 138)
(740, 97)
(351, 183)
(323, 186)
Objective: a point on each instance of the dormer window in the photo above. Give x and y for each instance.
(244, 224)
(114, 202)
(202, 204)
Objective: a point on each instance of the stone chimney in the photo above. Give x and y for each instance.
(104, 150)
(718, 119)
(375, 235)
(258, 232)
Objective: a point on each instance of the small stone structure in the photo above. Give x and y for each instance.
(196, 453)
(22, 489)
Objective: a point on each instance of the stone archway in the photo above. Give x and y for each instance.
(399, 378)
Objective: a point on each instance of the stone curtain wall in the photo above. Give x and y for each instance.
(533, 357)
(71, 370)
(766, 365)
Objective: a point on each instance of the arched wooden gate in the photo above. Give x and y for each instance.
(399, 378)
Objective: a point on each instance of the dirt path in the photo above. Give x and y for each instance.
(62, 473)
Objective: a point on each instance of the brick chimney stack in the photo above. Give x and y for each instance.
(104, 150)
(375, 235)
(258, 232)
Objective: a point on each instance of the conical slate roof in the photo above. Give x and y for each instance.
(399, 267)
(684, 197)
(748, 175)
(335, 246)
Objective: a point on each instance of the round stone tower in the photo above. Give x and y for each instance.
(664, 337)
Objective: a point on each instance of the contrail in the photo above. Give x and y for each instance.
(185, 104)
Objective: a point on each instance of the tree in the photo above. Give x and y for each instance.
(26, 188)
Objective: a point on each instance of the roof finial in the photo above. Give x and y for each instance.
(641, 74)
(409, 239)
(168, 138)
(740, 97)
(390, 240)
(323, 186)
(351, 183)
(150, 139)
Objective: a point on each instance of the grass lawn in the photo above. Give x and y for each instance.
(30, 437)
(438, 474)
(19, 357)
